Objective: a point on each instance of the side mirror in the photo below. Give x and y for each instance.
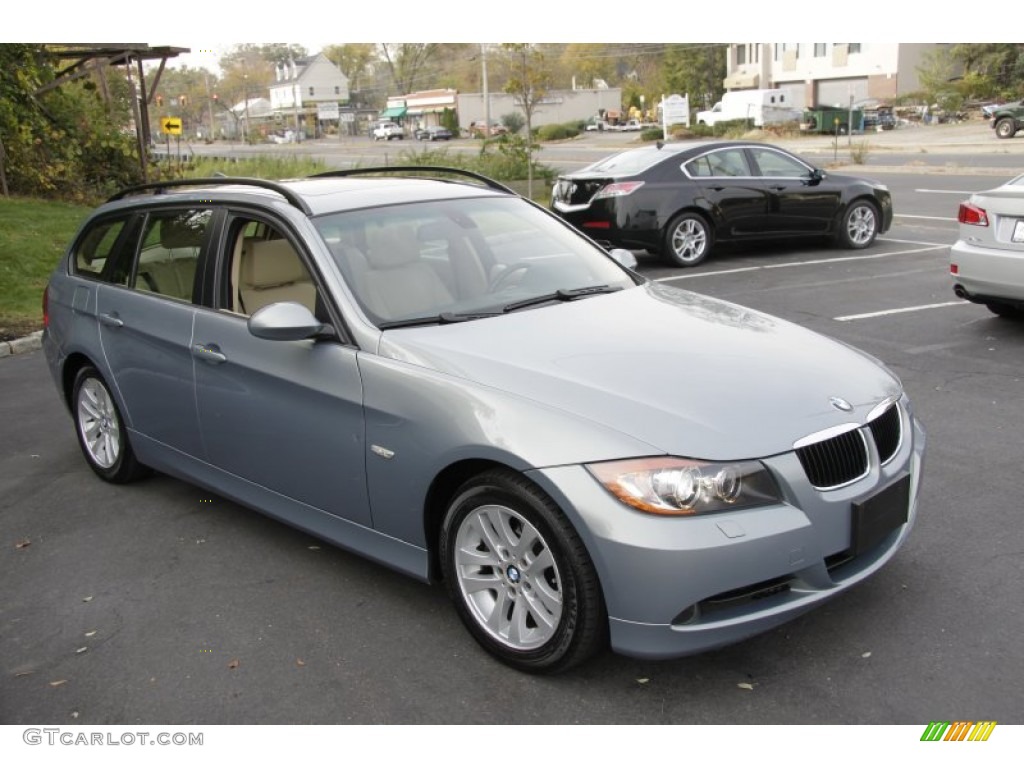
(286, 321)
(817, 175)
(624, 257)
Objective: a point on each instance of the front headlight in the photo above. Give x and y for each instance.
(671, 486)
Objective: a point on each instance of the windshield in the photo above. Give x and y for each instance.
(463, 258)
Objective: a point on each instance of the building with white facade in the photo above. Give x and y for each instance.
(301, 85)
(829, 74)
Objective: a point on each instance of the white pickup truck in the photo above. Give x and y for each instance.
(388, 131)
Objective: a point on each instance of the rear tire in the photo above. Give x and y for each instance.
(1009, 311)
(688, 240)
(101, 432)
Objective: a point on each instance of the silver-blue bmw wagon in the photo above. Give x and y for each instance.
(441, 376)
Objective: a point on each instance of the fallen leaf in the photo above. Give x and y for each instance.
(87, 599)
(300, 663)
(90, 634)
(865, 655)
(83, 649)
(643, 680)
(74, 715)
(745, 686)
(313, 547)
(23, 673)
(22, 544)
(55, 683)
(233, 664)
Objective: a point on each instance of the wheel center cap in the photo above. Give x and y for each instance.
(513, 574)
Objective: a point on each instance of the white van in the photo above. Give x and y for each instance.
(765, 106)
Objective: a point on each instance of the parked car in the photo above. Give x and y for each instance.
(1007, 119)
(987, 262)
(433, 133)
(453, 382)
(388, 131)
(679, 200)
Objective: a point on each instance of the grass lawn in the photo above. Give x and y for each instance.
(33, 235)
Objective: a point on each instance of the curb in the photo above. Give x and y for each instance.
(28, 343)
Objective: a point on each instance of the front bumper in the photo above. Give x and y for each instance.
(679, 586)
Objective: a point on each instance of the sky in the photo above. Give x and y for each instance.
(211, 28)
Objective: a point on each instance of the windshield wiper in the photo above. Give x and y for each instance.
(562, 295)
(442, 319)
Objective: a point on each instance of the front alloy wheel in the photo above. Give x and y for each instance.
(860, 225)
(687, 240)
(1006, 128)
(519, 575)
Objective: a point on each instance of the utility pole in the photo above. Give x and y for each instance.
(487, 96)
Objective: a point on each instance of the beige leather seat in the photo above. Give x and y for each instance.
(271, 271)
(398, 282)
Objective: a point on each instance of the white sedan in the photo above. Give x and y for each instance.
(987, 262)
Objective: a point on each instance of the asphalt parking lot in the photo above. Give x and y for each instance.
(161, 603)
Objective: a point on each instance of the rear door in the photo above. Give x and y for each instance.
(145, 323)
(730, 191)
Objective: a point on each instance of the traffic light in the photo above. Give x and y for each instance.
(159, 100)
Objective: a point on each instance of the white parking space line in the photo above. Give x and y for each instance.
(945, 191)
(929, 218)
(833, 260)
(900, 311)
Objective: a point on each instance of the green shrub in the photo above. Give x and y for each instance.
(859, 153)
(556, 131)
(651, 134)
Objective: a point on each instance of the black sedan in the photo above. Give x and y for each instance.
(680, 199)
(433, 133)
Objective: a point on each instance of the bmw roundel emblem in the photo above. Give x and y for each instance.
(839, 404)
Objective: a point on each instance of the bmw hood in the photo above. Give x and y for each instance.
(691, 375)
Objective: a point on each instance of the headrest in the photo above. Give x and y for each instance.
(270, 263)
(391, 246)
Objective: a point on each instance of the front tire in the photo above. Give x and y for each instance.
(101, 432)
(859, 226)
(688, 240)
(1006, 128)
(519, 576)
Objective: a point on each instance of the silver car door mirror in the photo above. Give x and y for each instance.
(284, 321)
(624, 257)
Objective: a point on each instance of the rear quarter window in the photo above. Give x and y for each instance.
(100, 252)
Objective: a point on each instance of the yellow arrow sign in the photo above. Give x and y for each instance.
(171, 125)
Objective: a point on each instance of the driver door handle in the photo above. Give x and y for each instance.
(209, 353)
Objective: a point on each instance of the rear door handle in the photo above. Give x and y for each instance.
(111, 320)
(210, 353)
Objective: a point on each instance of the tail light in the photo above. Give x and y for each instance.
(619, 189)
(972, 214)
(46, 307)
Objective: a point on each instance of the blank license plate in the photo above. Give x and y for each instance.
(1018, 231)
(875, 518)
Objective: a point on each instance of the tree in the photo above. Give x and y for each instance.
(527, 82)
(406, 62)
(73, 141)
(697, 69)
(353, 59)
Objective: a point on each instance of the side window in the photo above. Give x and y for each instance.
(263, 268)
(103, 251)
(778, 165)
(726, 162)
(170, 252)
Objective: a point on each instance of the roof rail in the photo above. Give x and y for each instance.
(491, 183)
(158, 187)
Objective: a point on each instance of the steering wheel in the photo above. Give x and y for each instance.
(500, 281)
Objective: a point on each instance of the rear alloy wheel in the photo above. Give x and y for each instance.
(859, 226)
(1006, 128)
(1009, 311)
(687, 240)
(519, 576)
(100, 429)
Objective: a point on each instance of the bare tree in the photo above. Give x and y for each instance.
(406, 62)
(528, 81)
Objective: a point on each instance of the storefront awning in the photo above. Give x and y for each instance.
(742, 80)
(393, 112)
